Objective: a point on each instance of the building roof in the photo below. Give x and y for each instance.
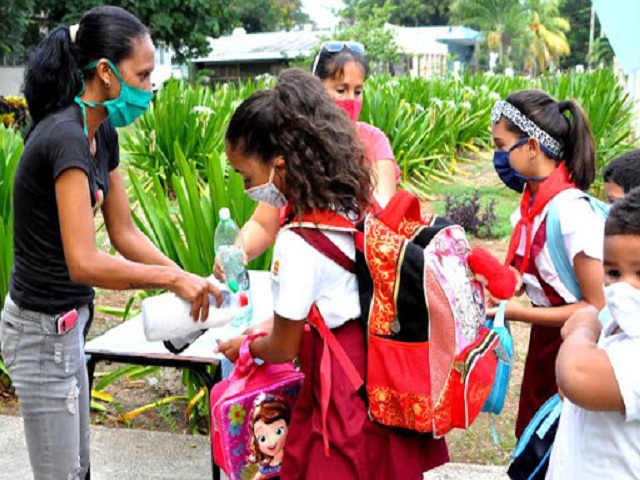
(255, 47)
(429, 40)
(251, 47)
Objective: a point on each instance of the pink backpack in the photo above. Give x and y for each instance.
(250, 414)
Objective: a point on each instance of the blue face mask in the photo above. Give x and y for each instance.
(123, 110)
(509, 175)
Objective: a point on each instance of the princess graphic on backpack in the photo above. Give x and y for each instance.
(269, 426)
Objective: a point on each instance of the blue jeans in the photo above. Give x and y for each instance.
(50, 378)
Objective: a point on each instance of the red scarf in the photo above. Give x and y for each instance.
(557, 182)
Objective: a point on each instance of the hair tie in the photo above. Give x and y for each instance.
(73, 32)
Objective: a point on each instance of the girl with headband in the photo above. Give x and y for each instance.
(545, 151)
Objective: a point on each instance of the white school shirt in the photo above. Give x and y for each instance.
(601, 445)
(302, 276)
(582, 231)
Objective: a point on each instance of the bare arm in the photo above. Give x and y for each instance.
(128, 240)
(590, 275)
(384, 176)
(89, 266)
(260, 232)
(280, 345)
(583, 370)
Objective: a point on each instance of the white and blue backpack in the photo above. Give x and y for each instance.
(555, 242)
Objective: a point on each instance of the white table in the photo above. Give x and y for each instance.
(126, 343)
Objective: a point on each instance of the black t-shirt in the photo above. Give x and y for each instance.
(40, 278)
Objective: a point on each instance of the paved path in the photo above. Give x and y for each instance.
(123, 454)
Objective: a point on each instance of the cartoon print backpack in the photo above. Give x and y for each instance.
(431, 361)
(530, 459)
(555, 241)
(250, 413)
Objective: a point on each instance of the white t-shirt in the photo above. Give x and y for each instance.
(302, 276)
(582, 231)
(601, 445)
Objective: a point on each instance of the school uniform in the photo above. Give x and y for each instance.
(592, 445)
(357, 448)
(582, 231)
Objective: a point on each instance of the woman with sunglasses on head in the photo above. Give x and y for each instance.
(80, 83)
(545, 150)
(343, 69)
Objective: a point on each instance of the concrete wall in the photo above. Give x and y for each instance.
(11, 80)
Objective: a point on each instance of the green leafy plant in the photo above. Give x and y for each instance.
(11, 146)
(195, 117)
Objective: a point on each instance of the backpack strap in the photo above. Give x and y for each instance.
(331, 346)
(325, 246)
(556, 246)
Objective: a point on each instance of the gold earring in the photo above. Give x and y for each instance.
(107, 84)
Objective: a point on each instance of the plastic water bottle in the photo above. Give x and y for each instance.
(229, 250)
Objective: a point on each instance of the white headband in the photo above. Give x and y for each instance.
(73, 32)
(502, 108)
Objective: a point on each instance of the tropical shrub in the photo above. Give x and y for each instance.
(10, 149)
(195, 117)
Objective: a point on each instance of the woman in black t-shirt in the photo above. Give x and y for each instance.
(80, 83)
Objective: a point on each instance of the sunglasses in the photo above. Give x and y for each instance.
(336, 46)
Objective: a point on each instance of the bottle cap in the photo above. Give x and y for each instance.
(243, 299)
(233, 286)
(225, 214)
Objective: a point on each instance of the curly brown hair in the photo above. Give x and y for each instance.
(298, 120)
(269, 409)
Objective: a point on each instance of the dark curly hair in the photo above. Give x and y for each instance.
(298, 120)
(572, 132)
(624, 217)
(624, 171)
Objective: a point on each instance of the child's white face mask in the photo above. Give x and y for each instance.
(268, 193)
(623, 302)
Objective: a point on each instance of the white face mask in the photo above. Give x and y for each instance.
(268, 193)
(623, 302)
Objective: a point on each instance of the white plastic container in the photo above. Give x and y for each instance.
(167, 316)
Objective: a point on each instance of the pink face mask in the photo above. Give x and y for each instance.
(351, 106)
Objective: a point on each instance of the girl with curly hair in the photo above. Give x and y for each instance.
(295, 147)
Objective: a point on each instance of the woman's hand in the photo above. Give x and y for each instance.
(196, 291)
(231, 348)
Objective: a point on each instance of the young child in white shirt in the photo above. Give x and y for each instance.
(597, 367)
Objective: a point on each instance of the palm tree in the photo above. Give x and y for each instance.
(499, 20)
(546, 37)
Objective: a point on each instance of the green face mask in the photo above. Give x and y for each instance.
(123, 110)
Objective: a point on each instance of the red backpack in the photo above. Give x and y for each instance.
(431, 361)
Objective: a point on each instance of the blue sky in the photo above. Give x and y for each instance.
(320, 11)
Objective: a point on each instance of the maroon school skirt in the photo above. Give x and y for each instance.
(359, 449)
(539, 378)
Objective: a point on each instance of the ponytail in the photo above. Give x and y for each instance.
(579, 147)
(52, 78)
(573, 131)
